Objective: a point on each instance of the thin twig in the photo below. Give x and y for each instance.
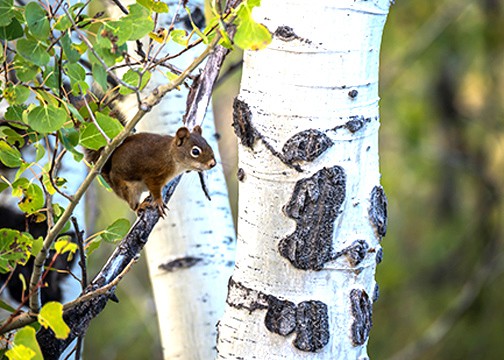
(103, 290)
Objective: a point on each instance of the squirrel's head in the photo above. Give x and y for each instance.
(195, 151)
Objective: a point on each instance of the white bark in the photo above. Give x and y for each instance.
(321, 78)
(198, 235)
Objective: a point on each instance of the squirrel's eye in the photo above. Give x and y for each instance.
(195, 151)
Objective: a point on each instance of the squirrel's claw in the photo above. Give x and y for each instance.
(157, 204)
(161, 207)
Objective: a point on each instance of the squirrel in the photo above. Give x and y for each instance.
(148, 161)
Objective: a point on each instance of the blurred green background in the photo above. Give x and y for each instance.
(442, 162)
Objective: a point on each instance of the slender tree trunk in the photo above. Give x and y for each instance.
(311, 211)
(190, 253)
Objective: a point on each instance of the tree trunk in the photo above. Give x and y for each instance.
(190, 253)
(311, 211)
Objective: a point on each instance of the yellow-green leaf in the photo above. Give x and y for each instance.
(26, 338)
(20, 352)
(51, 316)
(9, 156)
(64, 245)
(249, 34)
(33, 199)
(116, 231)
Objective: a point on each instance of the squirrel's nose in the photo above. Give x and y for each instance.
(211, 163)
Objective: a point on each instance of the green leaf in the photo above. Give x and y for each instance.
(33, 50)
(10, 156)
(91, 137)
(33, 199)
(132, 77)
(16, 94)
(100, 76)
(70, 139)
(156, 6)
(24, 166)
(62, 23)
(39, 151)
(179, 36)
(25, 70)
(11, 136)
(71, 54)
(51, 77)
(37, 245)
(139, 21)
(12, 31)
(108, 54)
(15, 247)
(6, 307)
(36, 19)
(15, 113)
(93, 245)
(47, 118)
(77, 76)
(3, 186)
(116, 231)
(76, 114)
(26, 337)
(249, 34)
(7, 11)
(51, 316)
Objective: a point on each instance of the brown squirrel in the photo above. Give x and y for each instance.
(147, 161)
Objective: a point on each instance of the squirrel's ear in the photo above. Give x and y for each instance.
(197, 129)
(182, 135)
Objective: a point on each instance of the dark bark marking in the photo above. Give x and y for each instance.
(376, 293)
(180, 263)
(355, 123)
(362, 311)
(242, 125)
(314, 205)
(281, 316)
(242, 297)
(378, 210)
(353, 93)
(309, 319)
(241, 174)
(379, 256)
(285, 33)
(354, 253)
(306, 146)
(312, 326)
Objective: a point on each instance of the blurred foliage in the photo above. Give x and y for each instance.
(441, 159)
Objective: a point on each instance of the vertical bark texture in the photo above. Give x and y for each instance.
(312, 212)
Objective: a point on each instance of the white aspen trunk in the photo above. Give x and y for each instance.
(308, 242)
(190, 253)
